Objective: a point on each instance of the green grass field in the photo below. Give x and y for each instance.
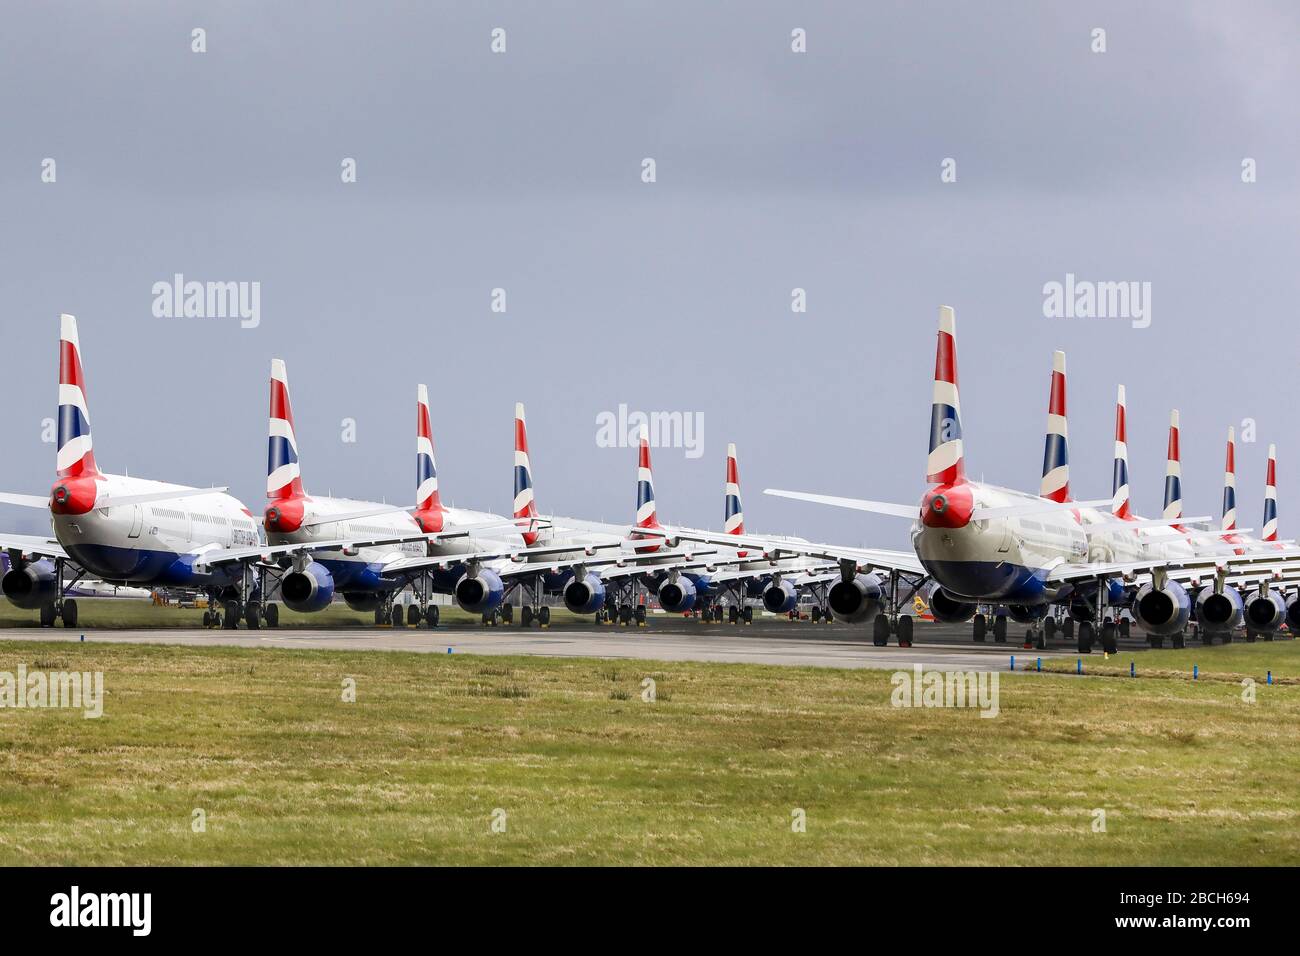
(285, 771)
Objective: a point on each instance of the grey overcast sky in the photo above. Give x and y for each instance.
(775, 170)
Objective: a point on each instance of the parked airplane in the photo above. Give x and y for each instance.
(121, 529)
(985, 544)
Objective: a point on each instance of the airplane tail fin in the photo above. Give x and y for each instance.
(283, 476)
(646, 515)
(1056, 450)
(1119, 504)
(428, 502)
(1229, 522)
(1270, 497)
(946, 465)
(76, 454)
(733, 514)
(525, 507)
(1173, 473)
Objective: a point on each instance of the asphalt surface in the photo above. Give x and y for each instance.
(938, 646)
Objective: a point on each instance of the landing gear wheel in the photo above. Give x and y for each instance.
(379, 616)
(1067, 629)
(904, 629)
(272, 615)
(1156, 642)
(431, 616)
(1180, 641)
(827, 616)
(733, 614)
(69, 614)
(508, 613)
(816, 615)
(1085, 638)
(1251, 636)
(1040, 640)
(1000, 630)
(880, 631)
(1109, 631)
(1049, 629)
(47, 615)
(748, 614)
(526, 617)
(625, 615)
(207, 618)
(1125, 628)
(979, 627)
(544, 617)
(413, 615)
(640, 615)
(216, 618)
(232, 616)
(253, 615)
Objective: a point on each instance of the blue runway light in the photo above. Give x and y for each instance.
(1040, 663)
(1013, 661)
(1078, 666)
(1132, 669)
(1196, 672)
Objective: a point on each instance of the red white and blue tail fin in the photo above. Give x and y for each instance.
(646, 516)
(1119, 502)
(76, 454)
(525, 507)
(428, 503)
(1269, 527)
(1056, 449)
(1229, 521)
(733, 516)
(1173, 473)
(283, 476)
(946, 465)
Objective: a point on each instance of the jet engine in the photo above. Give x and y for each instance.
(1027, 614)
(855, 600)
(310, 589)
(363, 600)
(481, 593)
(780, 597)
(1293, 613)
(1162, 611)
(30, 586)
(1220, 612)
(677, 595)
(1265, 612)
(947, 608)
(586, 596)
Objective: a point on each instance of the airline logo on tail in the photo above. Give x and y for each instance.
(76, 456)
(282, 473)
(426, 469)
(945, 463)
(1229, 522)
(524, 505)
(645, 484)
(1119, 505)
(428, 503)
(1173, 474)
(1270, 496)
(733, 515)
(1056, 451)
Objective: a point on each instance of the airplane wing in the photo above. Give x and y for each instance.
(32, 546)
(773, 548)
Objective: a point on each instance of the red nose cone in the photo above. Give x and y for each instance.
(73, 496)
(284, 516)
(947, 506)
